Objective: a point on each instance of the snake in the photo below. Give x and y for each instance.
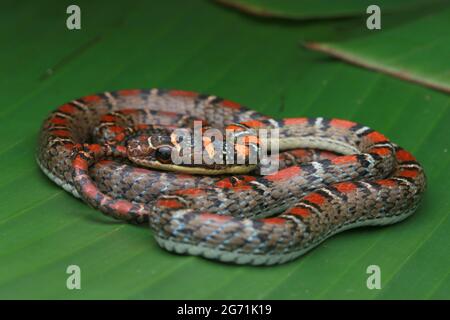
(353, 176)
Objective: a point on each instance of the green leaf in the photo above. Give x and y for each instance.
(315, 9)
(199, 46)
(415, 52)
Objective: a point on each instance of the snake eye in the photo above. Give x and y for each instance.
(163, 154)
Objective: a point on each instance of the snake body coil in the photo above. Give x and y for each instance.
(231, 218)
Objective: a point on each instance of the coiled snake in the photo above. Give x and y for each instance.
(240, 218)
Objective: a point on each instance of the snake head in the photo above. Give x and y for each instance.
(208, 151)
(152, 147)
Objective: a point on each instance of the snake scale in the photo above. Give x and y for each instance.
(360, 179)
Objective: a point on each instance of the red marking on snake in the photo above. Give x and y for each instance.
(303, 212)
(381, 151)
(120, 137)
(102, 162)
(344, 159)
(169, 203)
(242, 188)
(128, 111)
(376, 137)
(61, 133)
(143, 138)
(182, 93)
(298, 152)
(212, 216)
(403, 155)
(90, 189)
(129, 92)
(345, 187)
(92, 98)
(67, 108)
(408, 173)
(315, 198)
(231, 104)
(108, 118)
(168, 113)
(275, 220)
(191, 192)
(58, 121)
(116, 129)
(228, 183)
(80, 163)
(122, 150)
(142, 126)
(339, 123)
(247, 178)
(69, 146)
(225, 183)
(253, 123)
(95, 148)
(328, 155)
(293, 121)
(122, 206)
(284, 174)
(387, 182)
(233, 127)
